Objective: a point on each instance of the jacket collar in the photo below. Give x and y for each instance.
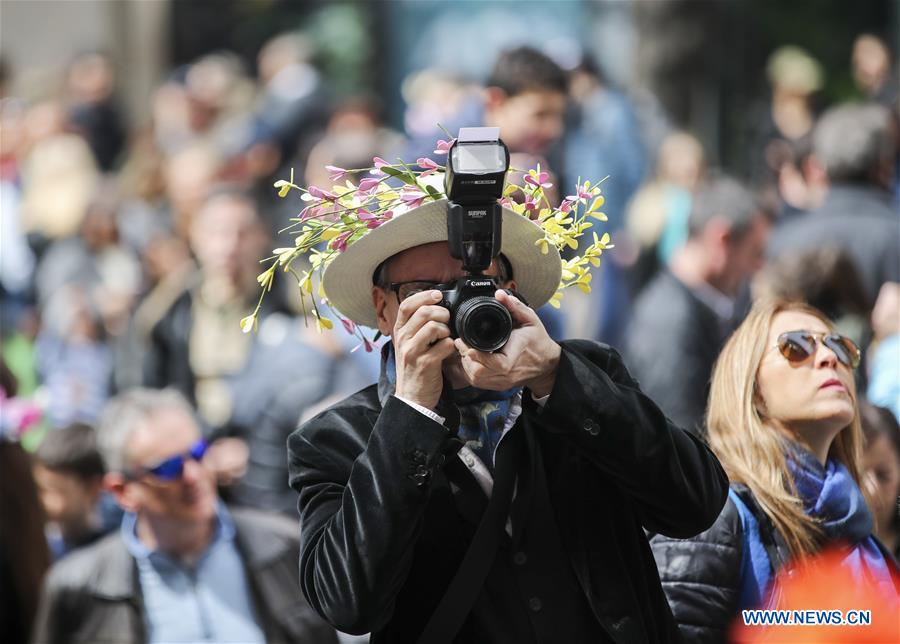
(117, 578)
(258, 545)
(846, 198)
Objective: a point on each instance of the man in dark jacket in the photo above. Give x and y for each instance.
(856, 146)
(488, 497)
(682, 318)
(182, 568)
(227, 237)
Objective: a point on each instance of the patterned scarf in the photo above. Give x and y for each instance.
(830, 494)
(482, 412)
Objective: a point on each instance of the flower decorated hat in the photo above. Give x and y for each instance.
(347, 280)
(342, 235)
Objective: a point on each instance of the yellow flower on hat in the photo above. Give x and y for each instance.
(331, 221)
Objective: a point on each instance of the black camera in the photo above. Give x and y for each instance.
(475, 314)
(475, 175)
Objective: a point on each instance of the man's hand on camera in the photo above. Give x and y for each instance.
(528, 359)
(421, 341)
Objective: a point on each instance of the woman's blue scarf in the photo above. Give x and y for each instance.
(830, 494)
(482, 412)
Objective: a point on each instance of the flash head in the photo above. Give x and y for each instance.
(476, 166)
(473, 182)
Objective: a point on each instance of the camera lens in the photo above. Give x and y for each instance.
(483, 323)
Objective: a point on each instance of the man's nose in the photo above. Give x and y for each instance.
(192, 472)
(554, 128)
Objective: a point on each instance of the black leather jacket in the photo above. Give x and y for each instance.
(380, 539)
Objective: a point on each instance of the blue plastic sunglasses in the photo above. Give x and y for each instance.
(172, 468)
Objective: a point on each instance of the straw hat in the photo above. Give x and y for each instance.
(348, 278)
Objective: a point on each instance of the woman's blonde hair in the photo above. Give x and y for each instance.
(752, 451)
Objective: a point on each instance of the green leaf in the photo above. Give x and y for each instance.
(397, 174)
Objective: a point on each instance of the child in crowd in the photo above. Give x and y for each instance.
(74, 361)
(69, 472)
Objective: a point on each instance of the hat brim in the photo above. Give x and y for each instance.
(348, 278)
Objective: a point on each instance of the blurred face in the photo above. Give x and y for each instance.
(227, 237)
(871, 63)
(681, 160)
(190, 498)
(812, 398)
(529, 122)
(881, 475)
(189, 176)
(67, 499)
(91, 79)
(99, 229)
(745, 256)
(730, 260)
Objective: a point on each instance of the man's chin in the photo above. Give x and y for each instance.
(201, 508)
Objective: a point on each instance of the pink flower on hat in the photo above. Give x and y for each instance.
(310, 212)
(335, 173)
(583, 194)
(538, 180)
(443, 147)
(367, 185)
(366, 344)
(370, 219)
(412, 196)
(378, 164)
(429, 165)
(339, 243)
(324, 195)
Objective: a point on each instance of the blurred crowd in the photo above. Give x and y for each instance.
(129, 255)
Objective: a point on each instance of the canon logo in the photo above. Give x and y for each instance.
(480, 283)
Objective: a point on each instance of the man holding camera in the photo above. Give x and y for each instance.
(496, 495)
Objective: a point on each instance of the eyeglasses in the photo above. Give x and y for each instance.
(797, 346)
(410, 288)
(172, 468)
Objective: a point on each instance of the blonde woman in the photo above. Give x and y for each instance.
(783, 420)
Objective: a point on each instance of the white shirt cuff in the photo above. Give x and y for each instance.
(540, 401)
(423, 410)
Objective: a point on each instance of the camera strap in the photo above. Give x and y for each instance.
(466, 585)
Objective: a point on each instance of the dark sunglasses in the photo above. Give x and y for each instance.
(797, 346)
(172, 468)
